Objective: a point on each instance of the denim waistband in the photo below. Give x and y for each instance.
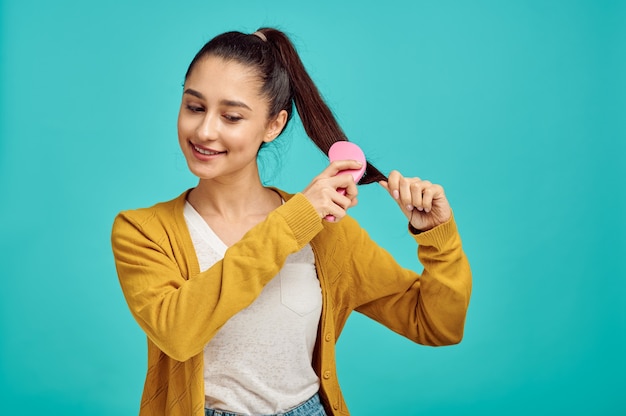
(312, 407)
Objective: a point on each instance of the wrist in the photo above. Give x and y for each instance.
(414, 230)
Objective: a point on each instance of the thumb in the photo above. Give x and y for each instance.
(394, 194)
(385, 185)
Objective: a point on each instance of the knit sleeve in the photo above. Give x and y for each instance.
(179, 314)
(429, 308)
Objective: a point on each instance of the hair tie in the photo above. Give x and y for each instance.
(260, 35)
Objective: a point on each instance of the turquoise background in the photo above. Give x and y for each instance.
(518, 108)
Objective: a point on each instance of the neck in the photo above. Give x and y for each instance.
(232, 200)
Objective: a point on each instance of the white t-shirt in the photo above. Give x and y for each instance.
(260, 360)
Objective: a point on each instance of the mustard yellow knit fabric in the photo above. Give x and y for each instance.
(181, 309)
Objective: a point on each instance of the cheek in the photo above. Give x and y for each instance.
(245, 140)
(185, 127)
(179, 122)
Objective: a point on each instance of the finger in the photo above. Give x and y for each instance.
(427, 198)
(393, 184)
(351, 190)
(406, 198)
(342, 181)
(435, 193)
(342, 192)
(330, 210)
(342, 202)
(417, 190)
(336, 210)
(338, 202)
(338, 165)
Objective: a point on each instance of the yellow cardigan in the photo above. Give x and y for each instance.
(181, 309)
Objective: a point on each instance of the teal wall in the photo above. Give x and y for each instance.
(518, 108)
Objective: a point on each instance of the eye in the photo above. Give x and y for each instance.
(195, 108)
(232, 118)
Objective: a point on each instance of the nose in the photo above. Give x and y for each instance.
(208, 129)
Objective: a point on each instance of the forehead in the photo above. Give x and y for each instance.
(217, 75)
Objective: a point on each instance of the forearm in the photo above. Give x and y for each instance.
(428, 309)
(445, 285)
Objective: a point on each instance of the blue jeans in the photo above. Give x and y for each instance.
(312, 407)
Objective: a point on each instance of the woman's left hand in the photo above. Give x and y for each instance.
(424, 203)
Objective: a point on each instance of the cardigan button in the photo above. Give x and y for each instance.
(328, 337)
(326, 374)
(336, 406)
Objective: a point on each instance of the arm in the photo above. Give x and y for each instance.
(431, 308)
(181, 315)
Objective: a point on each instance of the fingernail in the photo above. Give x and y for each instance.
(396, 194)
(409, 207)
(420, 208)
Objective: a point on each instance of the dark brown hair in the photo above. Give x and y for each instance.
(285, 82)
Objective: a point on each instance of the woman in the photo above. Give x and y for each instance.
(243, 290)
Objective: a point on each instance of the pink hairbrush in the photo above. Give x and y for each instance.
(347, 151)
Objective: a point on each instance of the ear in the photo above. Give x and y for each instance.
(275, 126)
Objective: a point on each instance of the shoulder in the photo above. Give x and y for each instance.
(159, 216)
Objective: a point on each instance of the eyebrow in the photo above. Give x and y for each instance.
(228, 103)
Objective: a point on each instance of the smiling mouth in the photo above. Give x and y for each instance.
(205, 152)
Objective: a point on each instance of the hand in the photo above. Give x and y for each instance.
(322, 191)
(424, 204)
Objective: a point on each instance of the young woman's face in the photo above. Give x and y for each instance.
(223, 120)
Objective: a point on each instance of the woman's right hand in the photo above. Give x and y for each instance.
(322, 191)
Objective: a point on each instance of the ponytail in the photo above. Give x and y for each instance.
(318, 120)
(285, 81)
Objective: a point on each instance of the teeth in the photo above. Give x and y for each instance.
(206, 152)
